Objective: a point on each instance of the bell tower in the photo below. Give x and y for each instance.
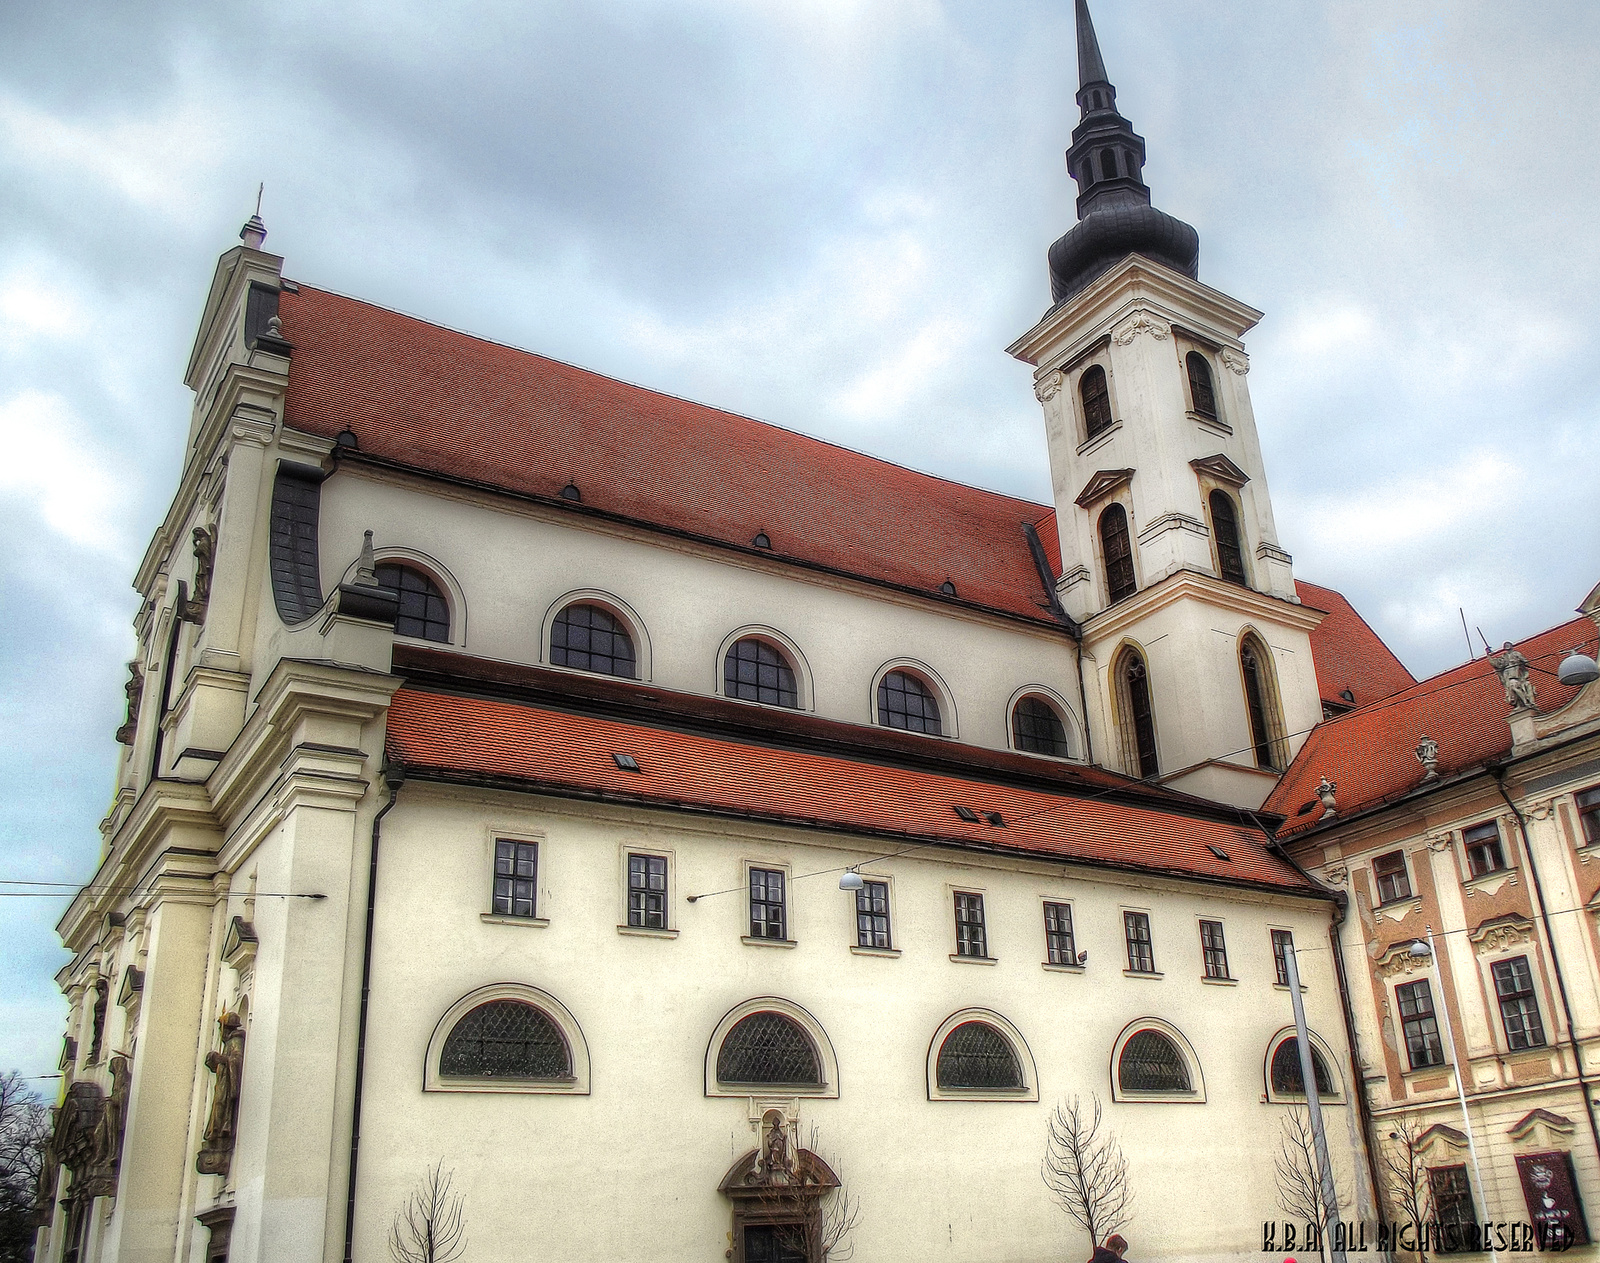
(1170, 560)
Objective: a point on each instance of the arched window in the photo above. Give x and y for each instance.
(1138, 718)
(1108, 163)
(906, 702)
(1096, 397)
(1117, 549)
(976, 1055)
(756, 672)
(591, 639)
(1037, 728)
(1151, 1062)
(1261, 700)
(1132, 162)
(769, 1049)
(1225, 530)
(424, 613)
(1201, 395)
(1287, 1079)
(505, 1039)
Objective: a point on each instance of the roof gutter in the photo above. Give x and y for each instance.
(1498, 772)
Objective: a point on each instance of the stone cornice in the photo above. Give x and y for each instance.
(1192, 585)
(1135, 283)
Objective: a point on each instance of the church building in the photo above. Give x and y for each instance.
(699, 841)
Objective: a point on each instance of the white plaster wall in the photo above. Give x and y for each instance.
(631, 1170)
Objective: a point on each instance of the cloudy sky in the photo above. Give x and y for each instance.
(830, 214)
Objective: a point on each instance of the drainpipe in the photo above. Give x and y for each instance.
(394, 776)
(1083, 700)
(1498, 772)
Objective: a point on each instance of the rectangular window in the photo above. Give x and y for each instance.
(1453, 1209)
(1282, 945)
(872, 914)
(647, 891)
(516, 878)
(970, 939)
(1213, 950)
(1513, 984)
(1589, 815)
(1484, 854)
(1141, 959)
(767, 918)
(1418, 1024)
(1058, 945)
(1390, 871)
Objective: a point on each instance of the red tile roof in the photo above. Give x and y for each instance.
(450, 403)
(1368, 753)
(473, 738)
(1348, 654)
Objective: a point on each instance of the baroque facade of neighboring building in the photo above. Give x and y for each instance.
(1467, 807)
(677, 830)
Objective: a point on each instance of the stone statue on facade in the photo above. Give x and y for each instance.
(134, 689)
(1428, 755)
(1325, 792)
(192, 609)
(226, 1064)
(1512, 668)
(106, 1156)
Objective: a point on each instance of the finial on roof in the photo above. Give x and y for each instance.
(366, 568)
(1428, 755)
(1091, 67)
(254, 231)
(1325, 792)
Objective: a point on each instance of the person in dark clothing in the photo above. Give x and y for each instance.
(1112, 1251)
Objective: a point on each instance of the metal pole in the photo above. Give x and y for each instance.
(1330, 1196)
(1461, 1083)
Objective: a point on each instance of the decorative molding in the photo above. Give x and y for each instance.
(1499, 933)
(1220, 468)
(1541, 810)
(1397, 911)
(1438, 842)
(1142, 322)
(1236, 362)
(1336, 874)
(1173, 522)
(1271, 552)
(1048, 386)
(1073, 577)
(1490, 883)
(1102, 484)
(1397, 959)
(239, 947)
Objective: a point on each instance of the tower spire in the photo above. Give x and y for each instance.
(1114, 212)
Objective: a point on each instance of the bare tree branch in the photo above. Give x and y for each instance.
(1299, 1184)
(1405, 1175)
(24, 1125)
(1085, 1170)
(430, 1227)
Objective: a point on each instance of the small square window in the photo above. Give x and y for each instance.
(1058, 942)
(1390, 872)
(970, 937)
(1484, 852)
(647, 892)
(516, 878)
(872, 915)
(1282, 945)
(768, 910)
(1589, 815)
(1213, 950)
(1141, 956)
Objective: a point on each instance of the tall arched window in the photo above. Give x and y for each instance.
(1261, 700)
(1036, 728)
(591, 639)
(1108, 163)
(906, 702)
(756, 672)
(424, 613)
(1117, 549)
(1138, 717)
(1096, 397)
(1225, 530)
(1201, 394)
(768, 1048)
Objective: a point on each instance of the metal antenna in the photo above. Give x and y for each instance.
(260, 189)
(1471, 653)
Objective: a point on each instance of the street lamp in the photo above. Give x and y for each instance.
(1578, 668)
(850, 880)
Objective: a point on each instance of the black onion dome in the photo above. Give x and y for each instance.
(1108, 234)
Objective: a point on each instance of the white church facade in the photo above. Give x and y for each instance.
(677, 829)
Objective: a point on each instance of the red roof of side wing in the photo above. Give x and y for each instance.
(509, 744)
(1348, 654)
(1369, 753)
(449, 403)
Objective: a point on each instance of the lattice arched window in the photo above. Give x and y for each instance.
(1037, 728)
(976, 1055)
(1201, 393)
(1150, 1061)
(592, 639)
(505, 1039)
(1136, 714)
(1225, 530)
(755, 671)
(906, 702)
(1095, 394)
(769, 1049)
(1287, 1078)
(1117, 550)
(424, 612)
